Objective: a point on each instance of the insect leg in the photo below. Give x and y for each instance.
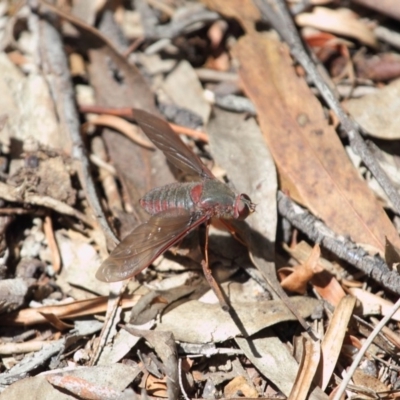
(210, 279)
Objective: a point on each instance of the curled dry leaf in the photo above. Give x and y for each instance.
(301, 275)
(325, 282)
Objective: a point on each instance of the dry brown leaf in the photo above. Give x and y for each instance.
(156, 386)
(306, 149)
(340, 21)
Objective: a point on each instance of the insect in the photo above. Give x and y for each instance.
(175, 209)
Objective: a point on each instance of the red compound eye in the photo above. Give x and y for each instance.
(244, 207)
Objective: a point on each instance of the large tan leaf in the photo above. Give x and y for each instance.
(309, 155)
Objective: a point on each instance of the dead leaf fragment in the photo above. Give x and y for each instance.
(273, 359)
(12, 294)
(239, 385)
(156, 386)
(244, 11)
(340, 22)
(392, 255)
(55, 181)
(183, 86)
(30, 108)
(373, 304)
(378, 113)
(82, 388)
(387, 7)
(383, 67)
(360, 378)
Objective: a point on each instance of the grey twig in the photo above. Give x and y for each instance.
(373, 266)
(54, 62)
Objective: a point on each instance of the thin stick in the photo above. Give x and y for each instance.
(364, 348)
(180, 380)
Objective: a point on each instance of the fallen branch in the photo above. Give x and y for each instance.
(344, 248)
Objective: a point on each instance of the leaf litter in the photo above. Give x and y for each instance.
(71, 175)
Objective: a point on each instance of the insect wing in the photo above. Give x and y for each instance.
(145, 243)
(161, 134)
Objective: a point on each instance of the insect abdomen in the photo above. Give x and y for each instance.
(175, 195)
